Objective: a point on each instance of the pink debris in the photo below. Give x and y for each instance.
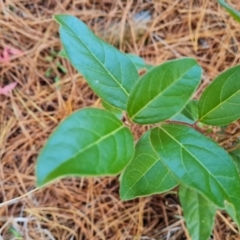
(7, 89)
(7, 52)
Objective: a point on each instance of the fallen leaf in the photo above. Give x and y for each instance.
(7, 89)
(13, 51)
(7, 52)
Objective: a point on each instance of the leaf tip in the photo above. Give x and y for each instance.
(126, 195)
(55, 17)
(59, 18)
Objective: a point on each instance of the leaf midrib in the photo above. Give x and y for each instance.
(100, 63)
(99, 140)
(182, 146)
(161, 93)
(92, 144)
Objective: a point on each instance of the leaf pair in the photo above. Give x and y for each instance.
(210, 172)
(164, 91)
(157, 96)
(219, 101)
(175, 154)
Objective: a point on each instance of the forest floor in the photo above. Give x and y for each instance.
(49, 89)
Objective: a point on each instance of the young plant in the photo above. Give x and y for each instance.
(58, 66)
(95, 142)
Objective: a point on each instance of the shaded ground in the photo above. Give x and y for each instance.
(79, 208)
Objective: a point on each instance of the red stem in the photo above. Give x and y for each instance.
(187, 124)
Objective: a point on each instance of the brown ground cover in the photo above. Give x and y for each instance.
(49, 89)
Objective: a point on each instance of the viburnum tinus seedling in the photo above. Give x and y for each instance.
(95, 142)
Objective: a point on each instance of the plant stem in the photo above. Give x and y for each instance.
(187, 124)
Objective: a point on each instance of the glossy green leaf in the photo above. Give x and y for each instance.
(189, 114)
(90, 142)
(198, 213)
(236, 158)
(199, 163)
(109, 72)
(139, 62)
(163, 91)
(146, 174)
(233, 12)
(115, 111)
(220, 101)
(191, 110)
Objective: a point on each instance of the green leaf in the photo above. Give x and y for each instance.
(109, 72)
(163, 91)
(191, 110)
(199, 163)
(198, 213)
(236, 158)
(62, 53)
(220, 101)
(90, 142)
(139, 62)
(146, 174)
(115, 111)
(189, 114)
(17, 235)
(48, 72)
(233, 12)
(180, 117)
(231, 210)
(61, 67)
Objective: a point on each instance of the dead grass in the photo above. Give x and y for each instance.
(80, 208)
